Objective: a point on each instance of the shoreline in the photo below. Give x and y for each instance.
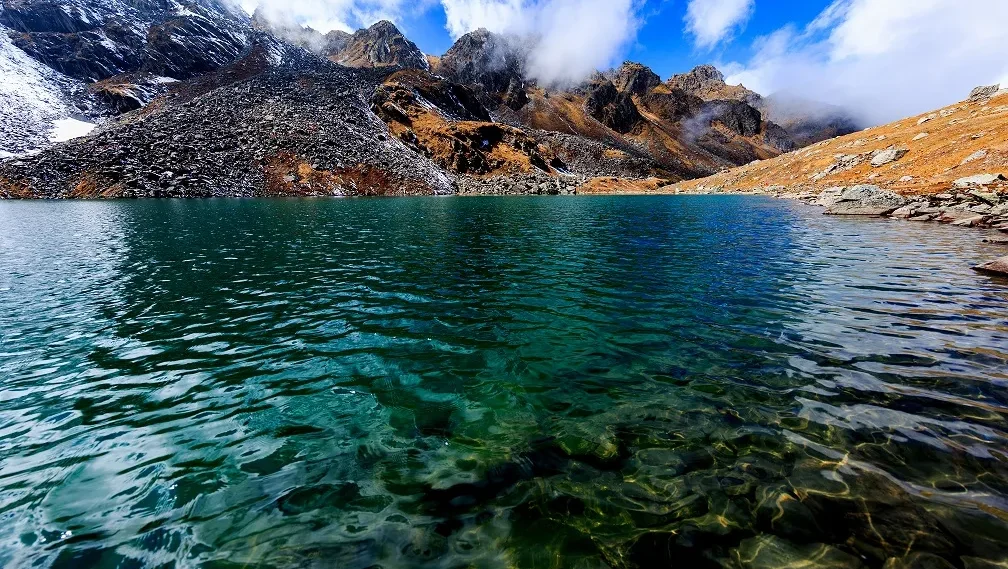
(967, 207)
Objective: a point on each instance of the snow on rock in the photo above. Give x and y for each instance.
(32, 97)
(65, 129)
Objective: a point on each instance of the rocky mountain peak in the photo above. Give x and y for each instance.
(702, 78)
(381, 45)
(635, 78)
(335, 41)
(483, 58)
(706, 82)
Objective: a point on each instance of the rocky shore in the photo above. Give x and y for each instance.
(520, 185)
(971, 202)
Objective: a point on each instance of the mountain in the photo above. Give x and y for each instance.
(198, 99)
(808, 122)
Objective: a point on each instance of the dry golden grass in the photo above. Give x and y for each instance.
(934, 162)
(561, 112)
(621, 186)
(469, 147)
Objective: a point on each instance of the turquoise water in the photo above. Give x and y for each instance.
(497, 382)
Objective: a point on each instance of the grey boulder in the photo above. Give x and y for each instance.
(866, 199)
(891, 154)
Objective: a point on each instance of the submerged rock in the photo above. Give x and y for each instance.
(866, 199)
(996, 267)
(770, 552)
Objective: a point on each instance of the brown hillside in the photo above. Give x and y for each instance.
(960, 140)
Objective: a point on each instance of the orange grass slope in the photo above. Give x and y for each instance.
(960, 140)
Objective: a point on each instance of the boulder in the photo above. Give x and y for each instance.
(891, 154)
(978, 180)
(995, 267)
(866, 199)
(829, 196)
(983, 92)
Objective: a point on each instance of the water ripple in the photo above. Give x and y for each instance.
(502, 382)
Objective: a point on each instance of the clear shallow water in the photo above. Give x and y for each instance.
(497, 382)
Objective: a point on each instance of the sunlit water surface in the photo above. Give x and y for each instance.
(497, 382)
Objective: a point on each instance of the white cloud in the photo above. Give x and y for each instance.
(569, 38)
(327, 15)
(712, 21)
(884, 59)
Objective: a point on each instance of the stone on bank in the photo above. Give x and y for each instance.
(995, 267)
(866, 199)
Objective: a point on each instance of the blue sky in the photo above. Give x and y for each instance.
(661, 41)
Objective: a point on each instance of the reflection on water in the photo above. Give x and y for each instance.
(500, 382)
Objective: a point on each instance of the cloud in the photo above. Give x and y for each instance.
(328, 15)
(883, 59)
(712, 21)
(568, 39)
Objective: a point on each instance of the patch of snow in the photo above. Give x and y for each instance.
(66, 129)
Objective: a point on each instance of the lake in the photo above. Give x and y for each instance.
(688, 381)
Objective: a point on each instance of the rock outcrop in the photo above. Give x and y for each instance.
(635, 79)
(611, 107)
(706, 82)
(738, 116)
(983, 92)
(889, 155)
